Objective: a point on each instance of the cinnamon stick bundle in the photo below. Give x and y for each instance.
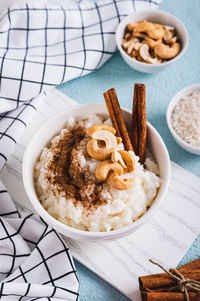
(165, 281)
(116, 117)
(139, 123)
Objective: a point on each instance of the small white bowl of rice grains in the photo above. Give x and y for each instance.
(183, 118)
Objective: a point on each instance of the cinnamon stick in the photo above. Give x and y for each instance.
(111, 113)
(193, 265)
(168, 296)
(116, 117)
(165, 281)
(139, 124)
(135, 128)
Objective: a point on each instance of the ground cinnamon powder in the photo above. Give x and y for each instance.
(70, 179)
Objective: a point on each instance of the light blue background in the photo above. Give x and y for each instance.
(160, 89)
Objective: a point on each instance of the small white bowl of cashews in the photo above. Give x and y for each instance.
(151, 41)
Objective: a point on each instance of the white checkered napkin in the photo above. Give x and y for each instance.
(34, 261)
(42, 46)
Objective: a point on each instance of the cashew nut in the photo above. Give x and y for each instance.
(134, 42)
(171, 41)
(116, 157)
(167, 35)
(119, 183)
(131, 26)
(145, 55)
(150, 42)
(128, 159)
(153, 43)
(130, 48)
(155, 31)
(158, 31)
(119, 140)
(134, 53)
(107, 137)
(99, 127)
(130, 45)
(127, 36)
(168, 27)
(126, 43)
(104, 167)
(137, 46)
(166, 51)
(97, 152)
(141, 35)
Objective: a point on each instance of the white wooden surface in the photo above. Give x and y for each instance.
(165, 238)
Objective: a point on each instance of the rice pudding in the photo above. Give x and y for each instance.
(69, 188)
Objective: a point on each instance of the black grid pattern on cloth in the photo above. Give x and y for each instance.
(29, 272)
(43, 46)
(12, 124)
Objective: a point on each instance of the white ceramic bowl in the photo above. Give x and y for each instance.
(182, 93)
(52, 127)
(161, 17)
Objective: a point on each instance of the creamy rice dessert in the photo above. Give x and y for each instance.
(69, 189)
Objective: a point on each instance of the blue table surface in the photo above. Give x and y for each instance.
(160, 89)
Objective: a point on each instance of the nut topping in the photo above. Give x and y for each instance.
(109, 139)
(103, 142)
(129, 160)
(119, 140)
(104, 167)
(97, 152)
(119, 183)
(116, 157)
(102, 146)
(100, 127)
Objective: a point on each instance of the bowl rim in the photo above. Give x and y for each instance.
(89, 235)
(124, 22)
(186, 91)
